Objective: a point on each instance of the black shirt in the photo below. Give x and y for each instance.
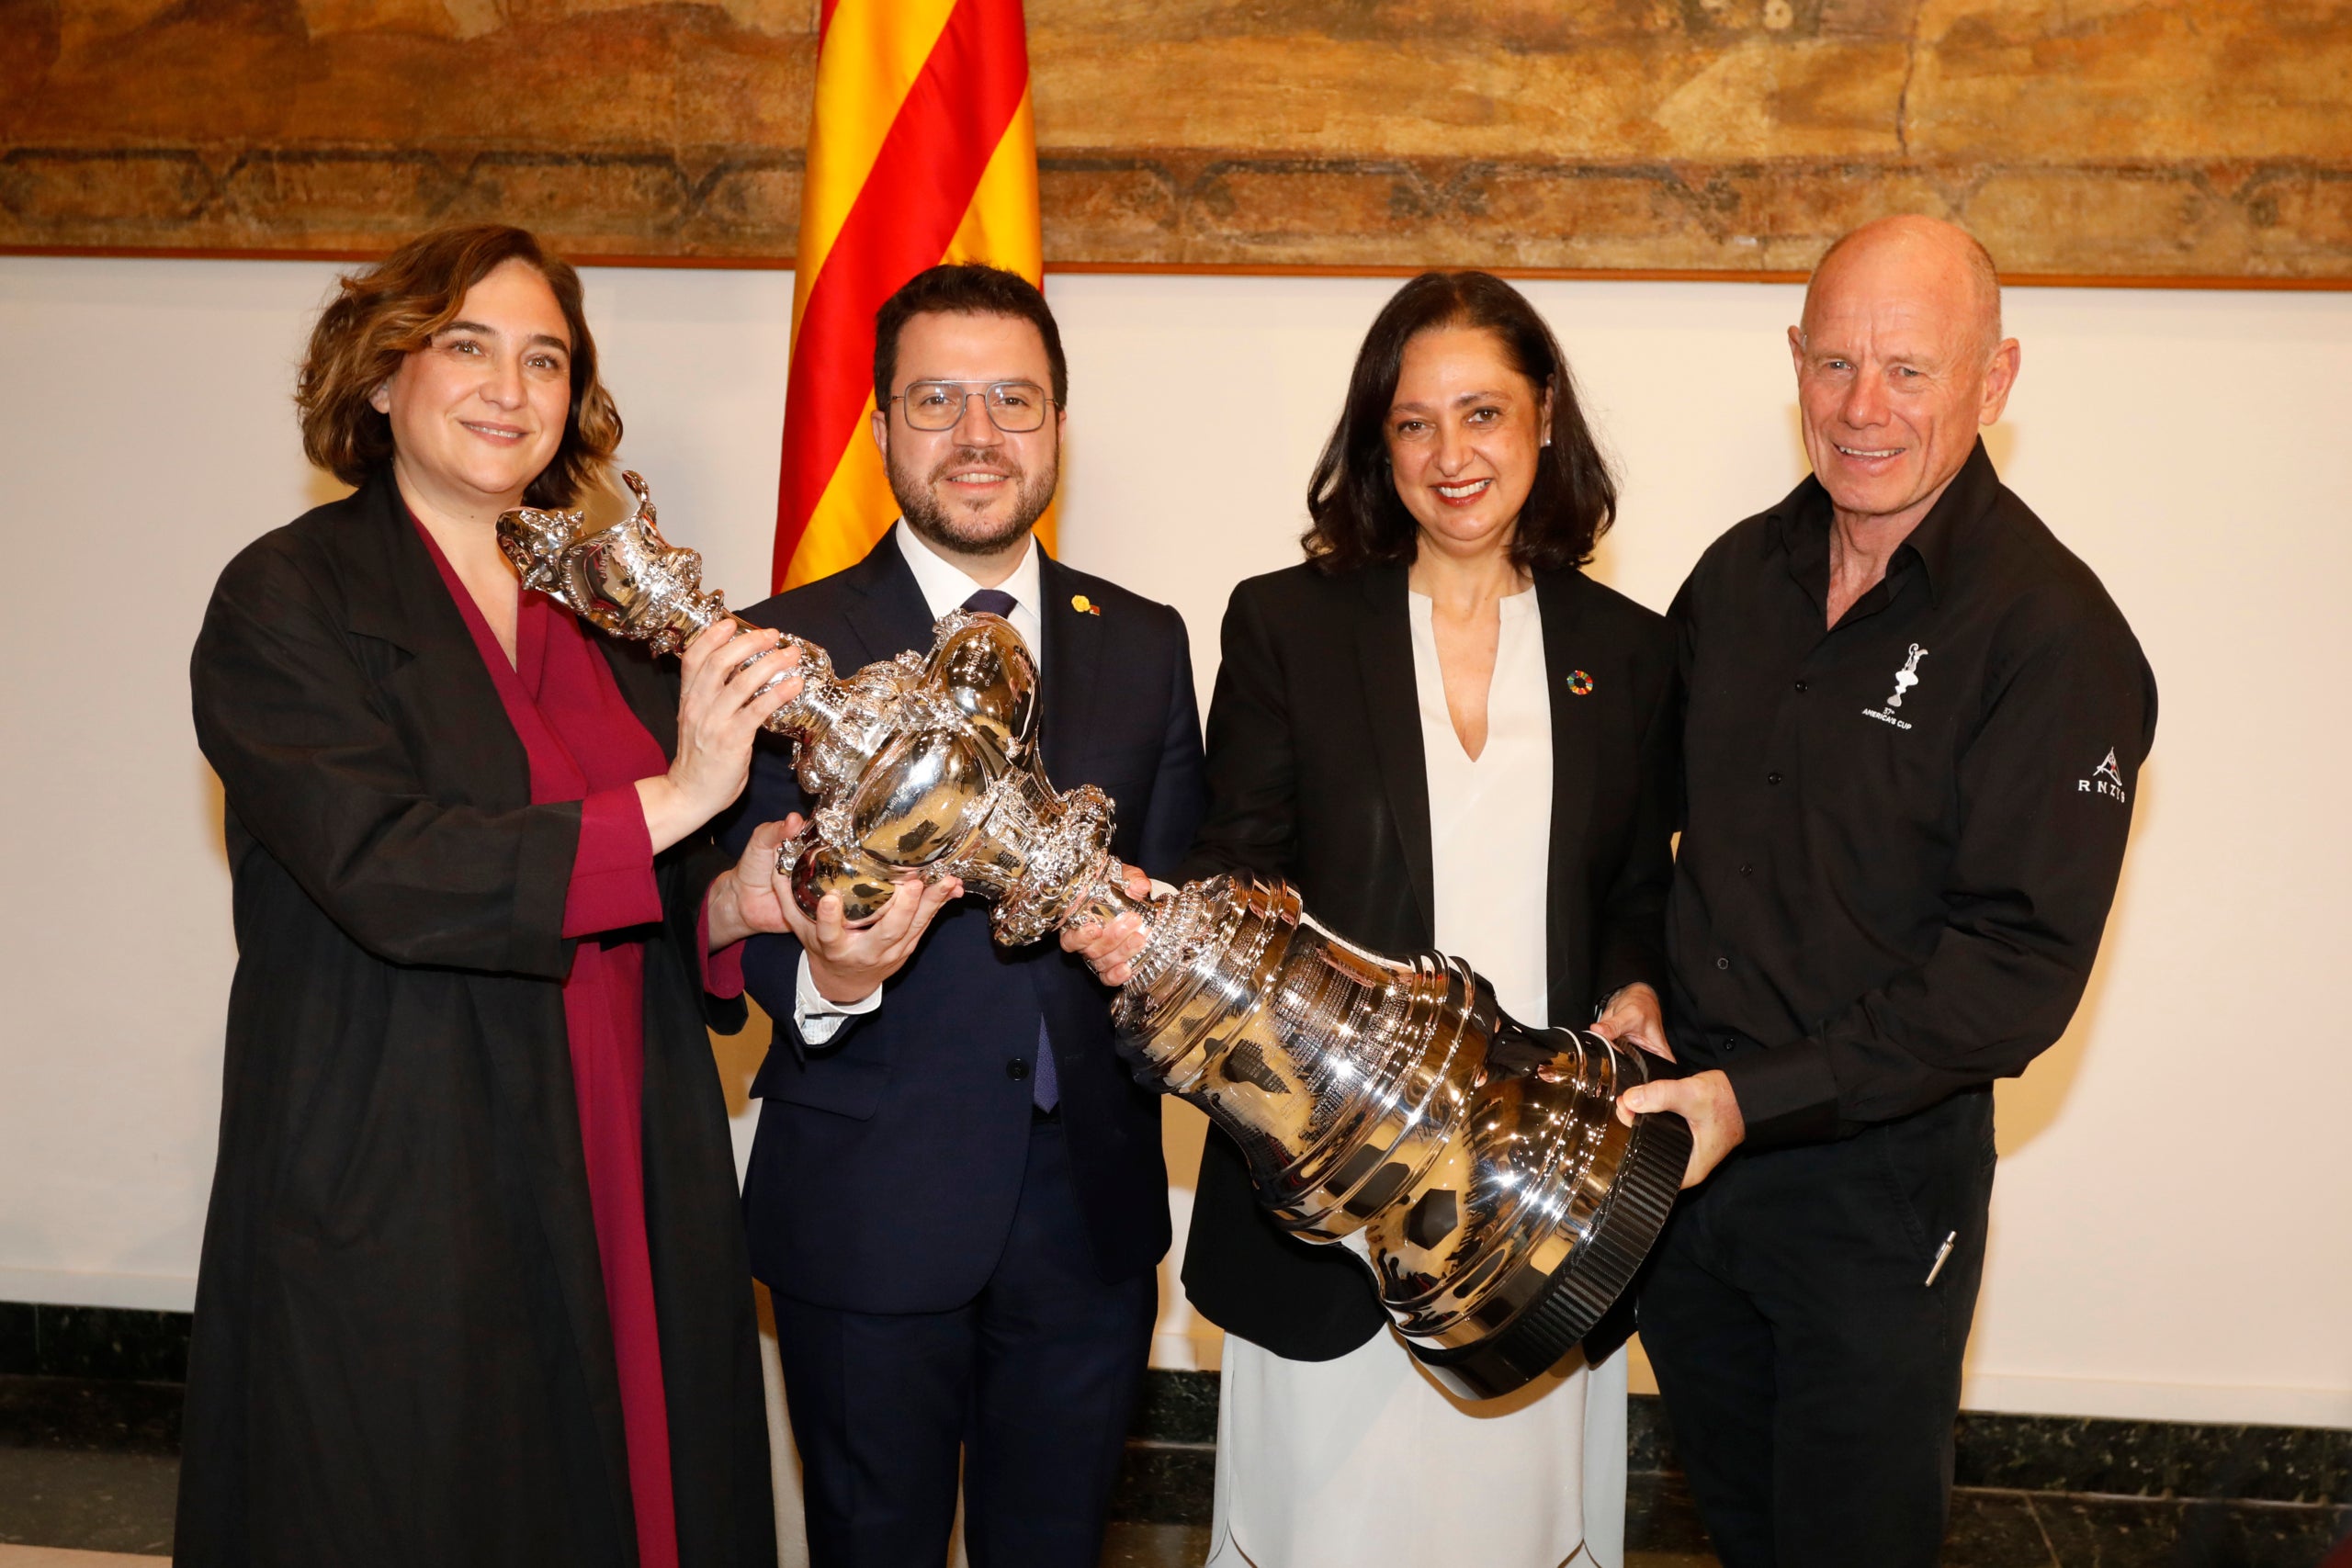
(1900, 835)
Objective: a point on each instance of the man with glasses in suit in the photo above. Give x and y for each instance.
(956, 1195)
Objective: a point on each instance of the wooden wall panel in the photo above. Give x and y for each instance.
(2173, 139)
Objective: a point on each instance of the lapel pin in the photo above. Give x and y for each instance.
(1084, 605)
(1579, 683)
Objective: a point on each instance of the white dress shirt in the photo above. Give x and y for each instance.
(944, 586)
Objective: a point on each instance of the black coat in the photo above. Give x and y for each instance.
(401, 1354)
(889, 1159)
(1317, 775)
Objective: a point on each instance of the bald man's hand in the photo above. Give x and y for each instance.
(1706, 1101)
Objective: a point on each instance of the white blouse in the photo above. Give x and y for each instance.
(1490, 820)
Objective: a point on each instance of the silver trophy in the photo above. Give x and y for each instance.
(1387, 1105)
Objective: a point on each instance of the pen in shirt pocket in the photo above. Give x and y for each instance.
(1941, 1253)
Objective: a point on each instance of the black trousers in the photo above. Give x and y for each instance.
(1811, 1374)
(1032, 1385)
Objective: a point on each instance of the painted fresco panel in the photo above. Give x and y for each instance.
(2178, 137)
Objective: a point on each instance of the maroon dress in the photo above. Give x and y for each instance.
(585, 744)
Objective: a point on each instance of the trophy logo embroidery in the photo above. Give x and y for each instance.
(2107, 779)
(1907, 677)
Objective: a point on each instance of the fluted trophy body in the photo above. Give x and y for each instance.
(1385, 1105)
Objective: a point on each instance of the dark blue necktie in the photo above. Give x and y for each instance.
(990, 601)
(1046, 1087)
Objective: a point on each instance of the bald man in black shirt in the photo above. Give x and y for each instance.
(1915, 728)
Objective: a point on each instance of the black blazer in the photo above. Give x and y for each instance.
(1315, 774)
(401, 1353)
(887, 1160)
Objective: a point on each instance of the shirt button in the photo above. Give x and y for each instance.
(1722, 963)
(1016, 1069)
(1771, 778)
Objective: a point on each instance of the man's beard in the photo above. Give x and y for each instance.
(933, 522)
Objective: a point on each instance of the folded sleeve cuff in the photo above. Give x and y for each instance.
(612, 885)
(1787, 1095)
(818, 1020)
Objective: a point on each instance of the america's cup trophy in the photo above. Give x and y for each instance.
(1386, 1105)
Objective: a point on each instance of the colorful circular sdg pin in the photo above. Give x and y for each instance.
(1579, 683)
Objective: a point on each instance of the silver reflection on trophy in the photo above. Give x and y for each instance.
(1387, 1105)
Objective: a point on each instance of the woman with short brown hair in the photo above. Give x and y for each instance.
(474, 1287)
(392, 310)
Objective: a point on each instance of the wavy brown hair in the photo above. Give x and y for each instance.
(1359, 520)
(391, 310)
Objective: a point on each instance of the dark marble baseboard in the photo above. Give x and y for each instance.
(1177, 1408)
(1166, 1484)
(89, 1414)
(2031, 1489)
(1169, 1484)
(1997, 1452)
(93, 1342)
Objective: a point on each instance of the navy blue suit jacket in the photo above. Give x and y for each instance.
(888, 1159)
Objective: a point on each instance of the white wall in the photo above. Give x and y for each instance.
(2169, 1226)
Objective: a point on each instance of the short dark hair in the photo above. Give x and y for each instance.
(383, 313)
(963, 289)
(1359, 519)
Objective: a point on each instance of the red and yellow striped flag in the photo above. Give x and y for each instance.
(921, 151)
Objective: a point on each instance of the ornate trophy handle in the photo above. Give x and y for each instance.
(629, 581)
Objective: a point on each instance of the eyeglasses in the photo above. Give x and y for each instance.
(1014, 407)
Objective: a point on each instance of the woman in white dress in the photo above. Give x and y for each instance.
(1445, 736)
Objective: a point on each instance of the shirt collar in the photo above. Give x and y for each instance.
(945, 585)
(1940, 534)
(1800, 524)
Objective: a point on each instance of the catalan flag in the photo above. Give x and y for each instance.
(921, 150)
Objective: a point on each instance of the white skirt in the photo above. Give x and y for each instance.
(1366, 1462)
